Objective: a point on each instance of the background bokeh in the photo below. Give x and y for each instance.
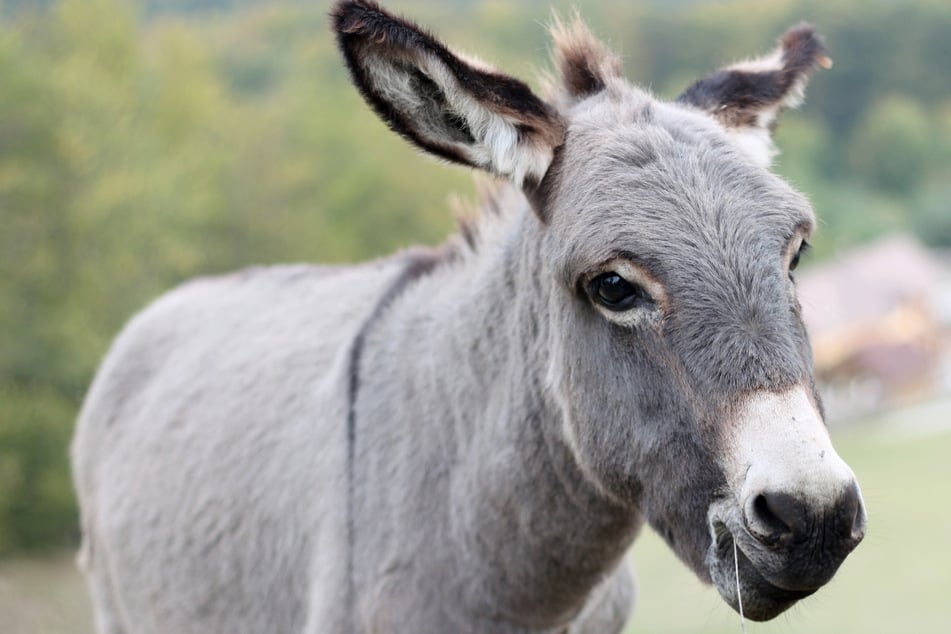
(143, 143)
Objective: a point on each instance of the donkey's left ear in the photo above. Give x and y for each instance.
(747, 97)
(456, 109)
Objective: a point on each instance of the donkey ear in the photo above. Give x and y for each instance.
(747, 97)
(585, 65)
(456, 109)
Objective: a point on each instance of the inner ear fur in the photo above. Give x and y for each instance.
(455, 108)
(747, 97)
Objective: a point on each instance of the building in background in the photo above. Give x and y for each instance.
(879, 317)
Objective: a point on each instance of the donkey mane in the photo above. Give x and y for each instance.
(477, 217)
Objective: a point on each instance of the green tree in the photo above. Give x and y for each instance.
(893, 145)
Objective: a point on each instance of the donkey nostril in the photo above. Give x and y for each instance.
(850, 512)
(772, 516)
(775, 518)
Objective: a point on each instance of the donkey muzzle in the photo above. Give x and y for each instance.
(795, 511)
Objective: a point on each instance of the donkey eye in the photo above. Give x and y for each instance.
(794, 262)
(615, 293)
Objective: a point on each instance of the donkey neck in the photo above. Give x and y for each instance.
(465, 353)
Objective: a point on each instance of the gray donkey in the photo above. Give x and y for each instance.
(468, 438)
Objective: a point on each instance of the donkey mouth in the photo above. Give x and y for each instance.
(739, 581)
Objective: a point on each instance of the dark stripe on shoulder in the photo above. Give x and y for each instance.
(419, 263)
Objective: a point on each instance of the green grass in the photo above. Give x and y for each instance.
(899, 579)
(43, 596)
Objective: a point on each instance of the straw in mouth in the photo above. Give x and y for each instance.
(739, 597)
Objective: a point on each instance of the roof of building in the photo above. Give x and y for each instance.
(868, 283)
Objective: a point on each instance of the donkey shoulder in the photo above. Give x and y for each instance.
(242, 377)
(259, 324)
(257, 342)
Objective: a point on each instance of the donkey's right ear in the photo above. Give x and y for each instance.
(456, 109)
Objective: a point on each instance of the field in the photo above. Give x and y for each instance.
(899, 580)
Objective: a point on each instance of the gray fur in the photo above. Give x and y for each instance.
(451, 441)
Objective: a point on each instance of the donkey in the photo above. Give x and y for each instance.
(469, 438)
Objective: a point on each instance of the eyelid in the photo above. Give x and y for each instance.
(797, 243)
(634, 273)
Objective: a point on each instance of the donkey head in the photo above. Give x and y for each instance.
(677, 352)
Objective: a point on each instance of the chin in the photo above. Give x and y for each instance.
(772, 576)
(762, 599)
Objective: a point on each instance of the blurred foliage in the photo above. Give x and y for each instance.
(144, 143)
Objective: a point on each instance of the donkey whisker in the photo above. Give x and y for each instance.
(739, 596)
